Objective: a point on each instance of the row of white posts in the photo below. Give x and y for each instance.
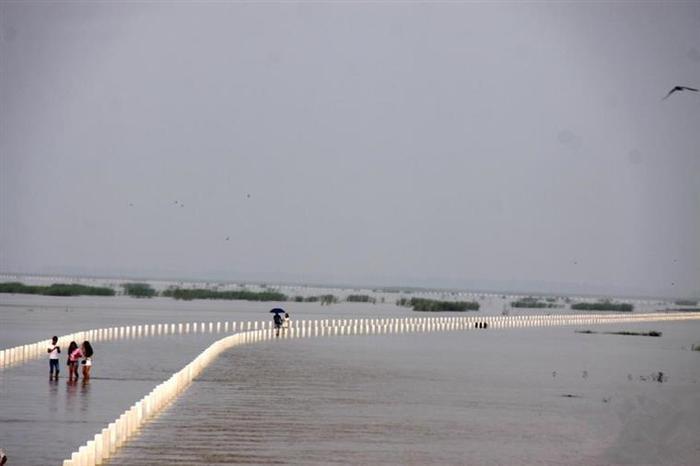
(24, 353)
(106, 442)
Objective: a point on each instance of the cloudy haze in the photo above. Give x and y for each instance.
(457, 145)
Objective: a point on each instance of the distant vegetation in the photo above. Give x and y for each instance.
(57, 289)
(323, 299)
(360, 298)
(328, 299)
(431, 305)
(653, 333)
(686, 302)
(532, 303)
(189, 294)
(603, 306)
(139, 290)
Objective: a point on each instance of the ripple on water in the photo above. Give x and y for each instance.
(450, 398)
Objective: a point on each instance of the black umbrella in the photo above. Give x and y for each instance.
(277, 310)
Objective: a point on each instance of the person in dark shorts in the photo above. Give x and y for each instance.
(74, 355)
(54, 350)
(278, 324)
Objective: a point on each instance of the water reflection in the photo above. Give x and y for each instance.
(416, 399)
(71, 392)
(47, 422)
(53, 396)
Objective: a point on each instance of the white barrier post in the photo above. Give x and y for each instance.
(98, 448)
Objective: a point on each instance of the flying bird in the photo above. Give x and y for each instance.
(679, 89)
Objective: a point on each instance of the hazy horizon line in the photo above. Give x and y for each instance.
(542, 290)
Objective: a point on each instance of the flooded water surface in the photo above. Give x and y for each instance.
(540, 396)
(513, 396)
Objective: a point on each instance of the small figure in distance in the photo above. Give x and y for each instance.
(74, 355)
(53, 351)
(3, 457)
(87, 362)
(277, 319)
(287, 321)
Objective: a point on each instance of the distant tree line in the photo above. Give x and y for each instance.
(360, 298)
(432, 305)
(324, 299)
(190, 293)
(532, 303)
(139, 290)
(686, 302)
(603, 306)
(56, 289)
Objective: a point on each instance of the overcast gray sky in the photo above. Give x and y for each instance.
(457, 145)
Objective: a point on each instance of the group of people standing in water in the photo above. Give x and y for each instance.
(77, 356)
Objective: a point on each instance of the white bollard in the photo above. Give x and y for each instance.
(111, 440)
(98, 449)
(85, 456)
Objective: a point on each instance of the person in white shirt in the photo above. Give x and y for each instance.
(54, 350)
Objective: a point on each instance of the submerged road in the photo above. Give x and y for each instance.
(439, 398)
(129, 361)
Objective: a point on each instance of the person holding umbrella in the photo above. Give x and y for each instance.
(277, 319)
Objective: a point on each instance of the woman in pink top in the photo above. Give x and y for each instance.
(74, 355)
